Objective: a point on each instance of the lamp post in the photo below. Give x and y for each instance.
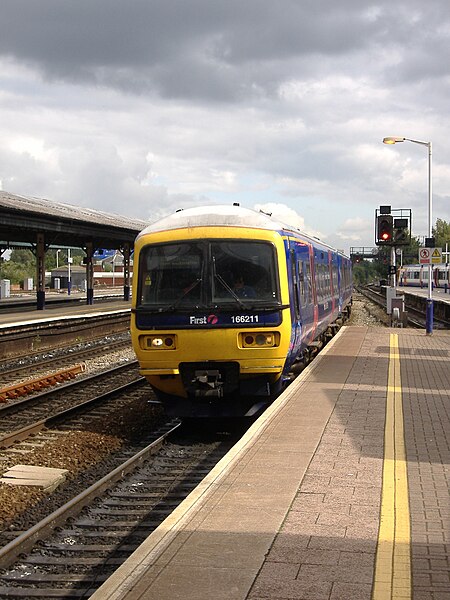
(395, 140)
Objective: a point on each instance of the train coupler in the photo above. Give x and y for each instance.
(209, 379)
(207, 384)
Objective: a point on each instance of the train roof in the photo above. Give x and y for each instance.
(222, 215)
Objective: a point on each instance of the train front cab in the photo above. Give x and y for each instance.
(224, 359)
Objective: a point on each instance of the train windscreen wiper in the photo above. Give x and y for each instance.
(267, 307)
(226, 286)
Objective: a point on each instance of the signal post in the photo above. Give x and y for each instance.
(392, 229)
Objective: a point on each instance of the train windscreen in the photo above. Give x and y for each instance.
(243, 271)
(207, 273)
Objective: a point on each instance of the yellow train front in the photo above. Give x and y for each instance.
(209, 299)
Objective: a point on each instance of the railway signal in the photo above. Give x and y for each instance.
(385, 230)
(401, 233)
(393, 226)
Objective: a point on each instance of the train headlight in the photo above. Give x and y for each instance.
(268, 339)
(158, 342)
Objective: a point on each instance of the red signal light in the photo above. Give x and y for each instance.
(384, 229)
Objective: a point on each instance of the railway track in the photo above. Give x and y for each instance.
(29, 386)
(416, 318)
(71, 552)
(40, 364)
(18, 340)
(23, 418)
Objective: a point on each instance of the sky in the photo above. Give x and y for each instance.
(143, 107)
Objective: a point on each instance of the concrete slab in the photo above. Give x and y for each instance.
(45, 478)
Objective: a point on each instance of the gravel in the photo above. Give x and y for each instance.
(84, 453)
(366, 313)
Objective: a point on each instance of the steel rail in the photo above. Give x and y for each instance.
(39, 397)
(26, 540)
(74, 356)
(23, 433)
(418, 320)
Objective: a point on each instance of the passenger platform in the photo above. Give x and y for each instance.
(317, 500)
(32, 331)
(438, 294)
(62, 311)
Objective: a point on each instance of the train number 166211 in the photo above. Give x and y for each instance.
(244, 319)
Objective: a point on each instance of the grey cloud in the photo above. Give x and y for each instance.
(156, 105)
(200, 49)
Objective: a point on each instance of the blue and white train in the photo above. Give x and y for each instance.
(228, 305)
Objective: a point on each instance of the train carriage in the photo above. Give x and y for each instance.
(417, 276)
(228, 304)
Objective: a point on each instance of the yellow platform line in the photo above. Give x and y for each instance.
(393, 558)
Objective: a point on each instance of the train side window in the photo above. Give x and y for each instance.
(323, 282)
(303, 283)
(296, 285)
(318, 283)
(309, 281)
(335, 279)
(345, 276)
(328, 280)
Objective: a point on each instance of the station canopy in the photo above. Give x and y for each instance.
(63, 225)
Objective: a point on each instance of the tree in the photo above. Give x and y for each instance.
(441, 233)
(364, 272)
(76, 254)
(410, 254)
(20, 266)
(22, 263)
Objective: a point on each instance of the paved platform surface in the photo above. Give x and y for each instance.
(317, 501)
(55, 313)
(438, 294)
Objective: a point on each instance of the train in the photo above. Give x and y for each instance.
(417, 276)
(229, 305)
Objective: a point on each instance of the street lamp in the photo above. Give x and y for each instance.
(395, 140)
